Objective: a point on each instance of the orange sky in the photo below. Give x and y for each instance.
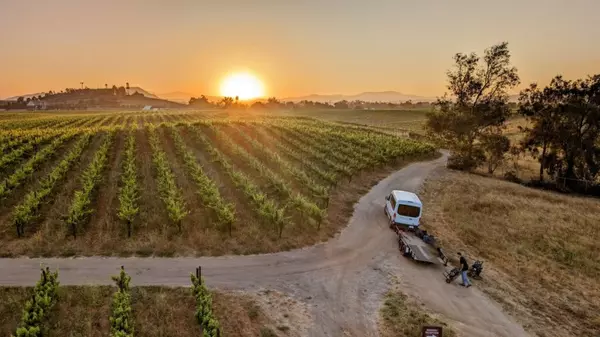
(295, 47)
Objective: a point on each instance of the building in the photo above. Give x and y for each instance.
(36, 105)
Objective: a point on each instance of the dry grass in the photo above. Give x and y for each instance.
(400, 317)
(541, 249)
(84, 311)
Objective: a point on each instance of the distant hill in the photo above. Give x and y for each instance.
(102, 98)
(380, 96)
(177, 96)
(133, 90)
(14, 98)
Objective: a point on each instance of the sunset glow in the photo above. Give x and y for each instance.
(242, 85)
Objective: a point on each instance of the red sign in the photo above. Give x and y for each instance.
(432, 331)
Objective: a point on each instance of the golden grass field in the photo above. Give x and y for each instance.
(541, 250)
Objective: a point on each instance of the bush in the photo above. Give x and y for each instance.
(267, 332)
(466, 162)
(512, 177)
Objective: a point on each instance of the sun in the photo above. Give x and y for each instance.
(242, 85)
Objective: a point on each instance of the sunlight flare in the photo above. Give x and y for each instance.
(242, 85)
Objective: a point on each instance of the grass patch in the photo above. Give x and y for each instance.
(541, 250)
(400, 317)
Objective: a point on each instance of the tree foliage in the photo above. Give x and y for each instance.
(477, 106)
(201, 102)
(565, 128)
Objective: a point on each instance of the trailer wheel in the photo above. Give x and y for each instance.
(448, 280)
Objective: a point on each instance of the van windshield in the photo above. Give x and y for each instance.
(410, 211)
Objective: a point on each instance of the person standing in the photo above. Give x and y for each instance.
(464, 267)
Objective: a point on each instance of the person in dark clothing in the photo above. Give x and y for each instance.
(464, 267)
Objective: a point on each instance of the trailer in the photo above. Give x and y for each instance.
(414, 247)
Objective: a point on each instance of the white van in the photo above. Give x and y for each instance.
(403, 208)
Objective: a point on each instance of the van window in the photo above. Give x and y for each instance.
(410, 211)
(392, 202)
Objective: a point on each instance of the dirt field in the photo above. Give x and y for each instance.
(541, 250)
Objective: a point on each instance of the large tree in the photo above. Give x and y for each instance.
(540, 107)
(477, 106)
(565, 128)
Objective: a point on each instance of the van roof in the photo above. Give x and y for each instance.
(407, 197)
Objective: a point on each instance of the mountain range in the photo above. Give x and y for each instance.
(373, 96)
(381, 96)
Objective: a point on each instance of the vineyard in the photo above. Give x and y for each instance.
(49, 309)
(174, 183)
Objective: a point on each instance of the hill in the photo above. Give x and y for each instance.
(101, 98)
(177, 96)
(14, 98)
(133, 90)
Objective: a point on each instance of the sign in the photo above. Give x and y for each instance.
(432, 331)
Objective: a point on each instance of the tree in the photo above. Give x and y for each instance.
(121, 91)
(226, 102)
(540, 107)
(257, 105)
(273, 103)
(565, 118)
(201, 101)
(341, 104)
(495, 145)
(477, 105)
(20, 100)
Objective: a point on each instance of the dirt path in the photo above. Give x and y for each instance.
(343, 280)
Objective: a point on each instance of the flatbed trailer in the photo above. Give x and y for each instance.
(411, 245)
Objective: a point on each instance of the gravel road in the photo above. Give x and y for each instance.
(343, 280)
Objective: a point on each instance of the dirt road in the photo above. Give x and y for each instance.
(342, 280)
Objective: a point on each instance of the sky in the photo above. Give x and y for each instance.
(296, 47)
